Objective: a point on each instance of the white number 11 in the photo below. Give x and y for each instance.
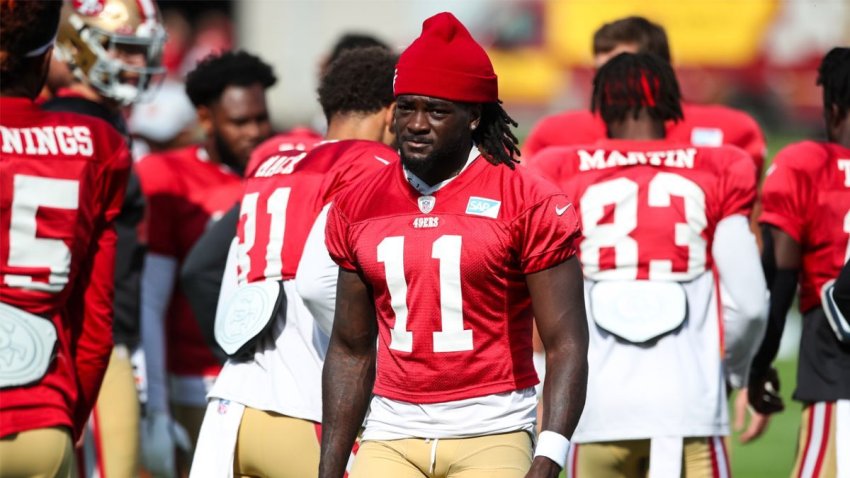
(453, 337)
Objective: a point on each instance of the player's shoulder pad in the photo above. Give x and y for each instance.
(803, 157)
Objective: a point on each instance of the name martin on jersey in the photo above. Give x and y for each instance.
(47, 140)
(675, 158)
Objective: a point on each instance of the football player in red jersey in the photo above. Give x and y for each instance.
(657, 217)
(702, 125)
(805, 226)
(442, 256)
(228, 92)
(110, 52)
(62, 180)
(275, 387)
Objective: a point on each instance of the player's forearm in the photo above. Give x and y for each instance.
(347, 381)
(565, 387)
(158, 277)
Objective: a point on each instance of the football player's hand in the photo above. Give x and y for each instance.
(543, 467)
(161, 436)
(757, 421)
(763, 393)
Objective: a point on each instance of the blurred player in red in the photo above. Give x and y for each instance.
(228, 92)
(657, 215)
(805, 226)
(62, 181)
(441, 257)
(107, 59)
(204, 267)
(275, 390)
(702, 125)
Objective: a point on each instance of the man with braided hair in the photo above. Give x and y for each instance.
(805, 223)
(442, 256)
(657, 216)
(62, 181)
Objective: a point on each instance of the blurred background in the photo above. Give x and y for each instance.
(760, 56)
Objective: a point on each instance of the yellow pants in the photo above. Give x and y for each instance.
(701, 458)
(116, 420)
(276, 446)
(816, 449)
(40, 453)
(494, 456)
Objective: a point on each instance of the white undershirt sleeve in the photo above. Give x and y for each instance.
(158, 276)
(229, 281)
(743, 294)
(317, 274)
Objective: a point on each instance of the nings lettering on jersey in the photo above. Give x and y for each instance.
(47, 140)
(426, 222)
(844, 165)
(278, 164)
(678, 158)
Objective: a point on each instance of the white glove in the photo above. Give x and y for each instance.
(161, 436)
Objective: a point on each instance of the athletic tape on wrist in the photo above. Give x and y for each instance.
(552, 445)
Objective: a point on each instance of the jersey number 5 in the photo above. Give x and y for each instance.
(446, 249)
(28, 248)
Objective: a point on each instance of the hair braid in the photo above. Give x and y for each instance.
(834, 77)
(494, 136)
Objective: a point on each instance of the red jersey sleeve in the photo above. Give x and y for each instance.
(785, 193)
(545, 233)
(93, 296)
(738, 192)
(161, 196)
(337, 239)
(368, 161)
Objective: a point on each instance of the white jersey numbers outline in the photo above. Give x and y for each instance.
(276, 206)
(26, 249)
(622, 193)
(446, 249)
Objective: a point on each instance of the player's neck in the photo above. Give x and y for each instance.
(364, 126)
(841, 133)
(640, 129)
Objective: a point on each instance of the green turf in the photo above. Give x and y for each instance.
(772, 454)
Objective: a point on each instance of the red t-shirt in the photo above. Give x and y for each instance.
(806, 194)
(649, 208)
(453, 309)
(62, 181)
(703, 125)
(177, 186)
(284, 193)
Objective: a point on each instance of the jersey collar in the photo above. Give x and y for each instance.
(423, 188)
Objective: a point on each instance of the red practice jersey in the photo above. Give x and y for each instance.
(806, 194)
(453, 309)
(703, 125)
(649, 208)
(300, 139)
(62, 181)
(177, 186)
(284, 193)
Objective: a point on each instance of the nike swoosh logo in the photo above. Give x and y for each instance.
(561, 210)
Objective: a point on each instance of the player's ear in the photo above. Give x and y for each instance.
(205, 119)
(474, 116)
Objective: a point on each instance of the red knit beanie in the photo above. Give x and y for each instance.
(446, 62)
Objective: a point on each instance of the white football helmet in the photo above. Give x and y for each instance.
(115, 46)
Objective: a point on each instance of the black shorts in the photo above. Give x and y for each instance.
(823, 369)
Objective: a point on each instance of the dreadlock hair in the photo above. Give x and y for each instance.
(494, 137)
(359, 81)
(630, 83)
(206, 83)
(649, 37)
(834, 77)
(25, 26)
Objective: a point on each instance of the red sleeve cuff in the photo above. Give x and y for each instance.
(548, 259)
(787, 226)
